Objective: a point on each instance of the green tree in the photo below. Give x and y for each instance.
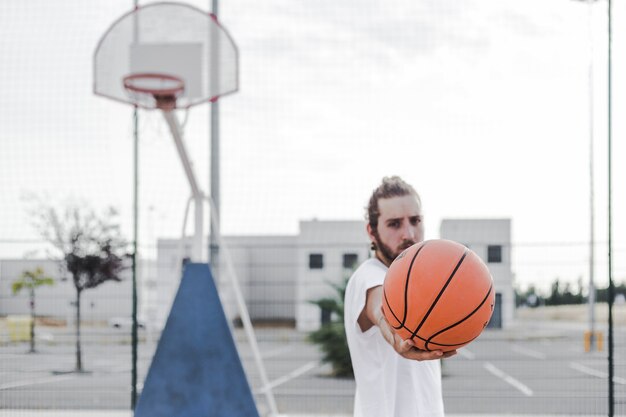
(90, 247)
(30, 280)
(331, 336)
(563, 293)
(555, 296)
(530, 297)
(603, 293)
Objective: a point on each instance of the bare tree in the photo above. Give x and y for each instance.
(90, 248)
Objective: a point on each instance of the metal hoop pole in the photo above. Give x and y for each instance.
(181, 242)
(243, 311)
(135, 259)
(592, 244)
(135, 325)
(611, 289)
(214, 189)
(175, 129)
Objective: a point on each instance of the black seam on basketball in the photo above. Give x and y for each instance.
(426, 340)
(416, 336)
(459, 322)
(449, 345)
(406, 287)
(390, 309)
(453, 344)
(443, 289)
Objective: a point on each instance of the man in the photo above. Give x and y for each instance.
(393, 378)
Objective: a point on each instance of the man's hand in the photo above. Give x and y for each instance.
(406, 348)
(372, 315)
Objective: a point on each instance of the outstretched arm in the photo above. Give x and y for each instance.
(372, 315)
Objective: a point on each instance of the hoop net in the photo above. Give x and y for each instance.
(154, 90)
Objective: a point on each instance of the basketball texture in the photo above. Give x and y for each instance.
(438, 293)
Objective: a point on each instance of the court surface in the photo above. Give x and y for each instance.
(532, 369)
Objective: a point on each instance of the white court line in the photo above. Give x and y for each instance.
(508, 379)
(36, 381)
(594, 372)
(466, 353)
(277, 351)
(291, 375)
(117, 369)
(529, 352)
(13, 355)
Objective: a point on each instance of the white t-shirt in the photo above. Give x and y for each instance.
(387, 385)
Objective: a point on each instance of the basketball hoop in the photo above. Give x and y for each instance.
(164, 89)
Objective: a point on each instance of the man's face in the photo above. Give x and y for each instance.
(400, 225)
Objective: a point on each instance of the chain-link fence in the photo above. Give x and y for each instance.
(490, 108)
(540, 361)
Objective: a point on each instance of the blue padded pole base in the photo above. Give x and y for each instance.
(196, 370)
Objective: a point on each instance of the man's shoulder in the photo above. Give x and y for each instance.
(371, 264)
(371, 267)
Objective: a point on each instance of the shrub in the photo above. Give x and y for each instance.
(331, 336)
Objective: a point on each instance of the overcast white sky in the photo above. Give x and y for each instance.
(482, 105)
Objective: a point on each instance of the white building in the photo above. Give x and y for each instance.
(327, 253)
(265, 267)
(110, 299)
(491, 240)
(279, 276)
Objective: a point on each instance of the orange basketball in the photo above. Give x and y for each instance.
(438, 293)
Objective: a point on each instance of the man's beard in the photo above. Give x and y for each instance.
(388, 253)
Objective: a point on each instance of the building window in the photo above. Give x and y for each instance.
(494, 254)
(316, 261)
(350, 260)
